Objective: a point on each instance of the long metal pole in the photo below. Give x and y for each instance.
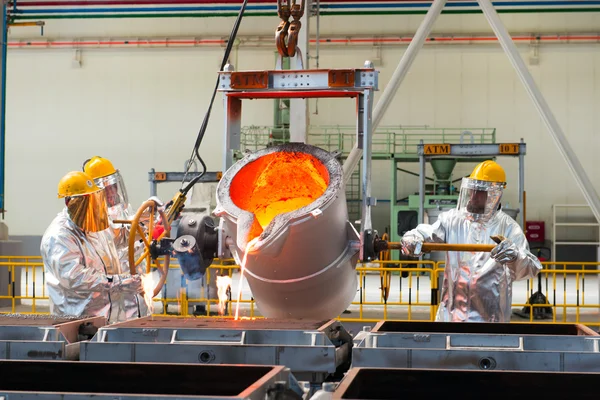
(586, 186)
(3, 47)
(392, 87)
(365, 121)
(522, 189)
(421, 187)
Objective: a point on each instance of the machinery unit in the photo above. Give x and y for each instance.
(313, 350)
(474, 346)
(88, 380)
(288, 276)
(401, 383)
(41, 337)
(199, 205)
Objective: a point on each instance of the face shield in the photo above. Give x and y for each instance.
(479, 200)
(116, 194)
(113, 185)
(89, 212)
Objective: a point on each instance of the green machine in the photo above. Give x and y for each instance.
(440, 194)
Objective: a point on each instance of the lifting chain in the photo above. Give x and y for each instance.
(286, 34)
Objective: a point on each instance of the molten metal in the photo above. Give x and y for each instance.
(278, 183)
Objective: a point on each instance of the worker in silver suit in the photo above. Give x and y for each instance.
(130, 305)
(82, 266)
(477, 286)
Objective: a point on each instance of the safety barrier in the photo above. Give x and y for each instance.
(393, 290)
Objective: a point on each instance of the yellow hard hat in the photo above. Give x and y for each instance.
(76, 183)
(489, 171)
(98, 167)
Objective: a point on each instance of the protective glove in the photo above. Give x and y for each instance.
(145, 217)
(127, 283)
(158, 201)
(506, 252)
(411, 244)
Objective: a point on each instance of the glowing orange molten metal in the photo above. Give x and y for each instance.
(278, 183)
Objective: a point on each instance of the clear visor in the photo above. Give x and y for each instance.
(114, 187)
(89, 212)
(479, 200)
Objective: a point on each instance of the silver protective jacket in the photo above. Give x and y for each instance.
(129, 305)
(82, 271)
(477, 287)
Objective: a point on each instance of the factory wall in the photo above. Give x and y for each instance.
(142, 107)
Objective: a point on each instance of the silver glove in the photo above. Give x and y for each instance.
(127, 283)
(158, 201)
(506, 252)
(411, 244)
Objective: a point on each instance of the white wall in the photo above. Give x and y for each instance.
(142, 107)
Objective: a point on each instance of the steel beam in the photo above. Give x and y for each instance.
(3, 47)
(421, 215)
(522, 188)
(233, 128)
(365, 130)
(584, 183)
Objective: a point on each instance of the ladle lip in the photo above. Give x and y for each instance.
(333, 167)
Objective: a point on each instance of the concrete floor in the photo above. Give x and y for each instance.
(419, 288)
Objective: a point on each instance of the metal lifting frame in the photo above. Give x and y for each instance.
(304, 84)
(512, 53)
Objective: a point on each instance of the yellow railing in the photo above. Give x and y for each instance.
(392, 290)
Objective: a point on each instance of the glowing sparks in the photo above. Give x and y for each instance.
(223, 284)
(249, 247)
(148, 286)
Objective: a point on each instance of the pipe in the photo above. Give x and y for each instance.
(353, 7)
(351, 162)
(23, 4)
(427, 247)
(268, 42)
(273, 13)
(3, 50)
(409, 3)
(579, 173)
(340, 4)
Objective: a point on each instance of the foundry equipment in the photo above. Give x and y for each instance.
(287, 278)
(314, 351)
(92, 380)
(400, 383)
(43, 337)
(478, 346)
